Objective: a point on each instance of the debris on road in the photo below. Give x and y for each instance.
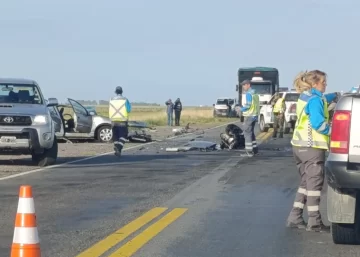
(142, 137)
(195, 146)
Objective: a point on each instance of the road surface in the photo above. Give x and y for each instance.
(153, 203)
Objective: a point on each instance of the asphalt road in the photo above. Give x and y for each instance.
(184, 204)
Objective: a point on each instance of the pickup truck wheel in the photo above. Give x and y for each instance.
(345, 233)
(104, 134)
(262, 126)
(48, 157)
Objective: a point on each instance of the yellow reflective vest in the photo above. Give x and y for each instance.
(254, 109)
(304, 135)
(117, 109)
(279, 106)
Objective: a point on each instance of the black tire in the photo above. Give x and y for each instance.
(345, 234)
(100, 134)
(262, 126)
(48, 157)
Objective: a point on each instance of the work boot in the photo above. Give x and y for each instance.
(319, 228)
(274, 134)
(247, 154)
(281, 135)
(301, 225)
(117, 152)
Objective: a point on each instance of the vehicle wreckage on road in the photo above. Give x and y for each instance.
(86, 123)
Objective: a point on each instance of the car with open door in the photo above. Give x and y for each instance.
(78, 122)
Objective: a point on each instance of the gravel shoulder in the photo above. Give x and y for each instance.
(13, 164)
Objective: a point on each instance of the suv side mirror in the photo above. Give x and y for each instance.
(52, 102)
(92, 113)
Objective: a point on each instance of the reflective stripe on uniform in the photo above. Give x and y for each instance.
(302, 191)
(313, 208)
(117, 109)
(278, 107)
(298, 205)
(314, 193)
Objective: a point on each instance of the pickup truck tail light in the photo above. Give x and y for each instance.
(292, 108)
(340, 132)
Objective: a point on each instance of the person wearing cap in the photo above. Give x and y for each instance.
(119, 109)
(250, 111)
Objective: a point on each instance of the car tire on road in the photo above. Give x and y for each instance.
(104, 134)
(345, 233)
(262, 126)
(48, 157)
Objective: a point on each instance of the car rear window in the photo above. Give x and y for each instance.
(292, 97)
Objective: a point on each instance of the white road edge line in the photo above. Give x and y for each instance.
(99, 155)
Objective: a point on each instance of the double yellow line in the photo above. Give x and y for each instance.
(264, 135)
(129, 248)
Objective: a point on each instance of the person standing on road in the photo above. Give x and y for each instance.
(169, 111)
(310, 142)
(119, 109)
(177, 110)
(279, 116)
(250, 111)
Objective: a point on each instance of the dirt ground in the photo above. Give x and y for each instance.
(12, 164)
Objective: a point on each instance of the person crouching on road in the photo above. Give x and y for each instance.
(169, 111)
(250, 111)
(310, 142)
(279, 116)
(119, 109)
(177, 110)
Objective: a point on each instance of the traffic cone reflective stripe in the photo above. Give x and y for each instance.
(26, 241)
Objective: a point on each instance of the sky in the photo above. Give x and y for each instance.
(158, 49)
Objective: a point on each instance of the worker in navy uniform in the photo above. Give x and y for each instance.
(119, 109)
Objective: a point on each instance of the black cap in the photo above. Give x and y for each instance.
(246, 81)
(118, 90)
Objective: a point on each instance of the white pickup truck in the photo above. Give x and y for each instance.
(221, 108)
(266, 117)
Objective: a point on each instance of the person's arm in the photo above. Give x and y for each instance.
(315, 110)
(128, 106)
(248, 103)
(330, 97)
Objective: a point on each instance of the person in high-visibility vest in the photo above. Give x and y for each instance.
(279, 116)
(310, 142)
(119, 109)
(250, 111)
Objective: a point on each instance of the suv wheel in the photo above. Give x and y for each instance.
(344, 233)
(262, 126)
(48, 157)
(104, 134)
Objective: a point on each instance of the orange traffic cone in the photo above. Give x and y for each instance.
(26, 239)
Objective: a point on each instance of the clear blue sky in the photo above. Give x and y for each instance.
(167, 49)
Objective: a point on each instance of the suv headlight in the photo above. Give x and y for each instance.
(40, 119)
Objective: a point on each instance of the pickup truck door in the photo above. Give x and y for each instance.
(82, 118)
(58, 122)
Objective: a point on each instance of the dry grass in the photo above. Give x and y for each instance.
(156, 116)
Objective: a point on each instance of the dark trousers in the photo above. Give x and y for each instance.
(120, 133)
(177, 118)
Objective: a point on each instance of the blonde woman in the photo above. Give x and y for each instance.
(310, 142)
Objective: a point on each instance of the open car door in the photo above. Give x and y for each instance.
(58, 122)
(82, 118)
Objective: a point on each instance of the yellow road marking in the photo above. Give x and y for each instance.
(104, 245)
(135, 244)
(260, 135)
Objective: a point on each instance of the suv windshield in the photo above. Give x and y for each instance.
(19, 93)
(293, 97)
